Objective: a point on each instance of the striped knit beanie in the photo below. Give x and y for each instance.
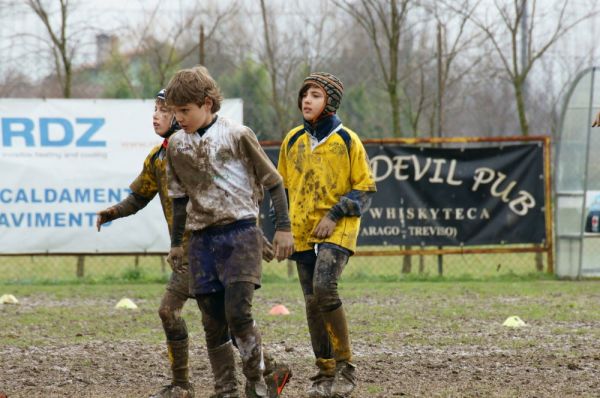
(332, 86)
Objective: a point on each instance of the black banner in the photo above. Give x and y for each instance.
(452, 197)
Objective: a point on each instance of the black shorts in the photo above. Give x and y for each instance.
(222, 255)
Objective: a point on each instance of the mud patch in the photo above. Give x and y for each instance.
(131, 369)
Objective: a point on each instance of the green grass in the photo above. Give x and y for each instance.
(457, 312)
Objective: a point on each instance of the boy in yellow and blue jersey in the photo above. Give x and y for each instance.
(152, 181)
(329, 182)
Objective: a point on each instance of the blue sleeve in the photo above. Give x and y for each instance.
(353, 204)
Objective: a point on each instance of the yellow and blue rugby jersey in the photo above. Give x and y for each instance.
(152, 180)
(316, 174)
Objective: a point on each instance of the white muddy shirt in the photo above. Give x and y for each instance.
(223, 172)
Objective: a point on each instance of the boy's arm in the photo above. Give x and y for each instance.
(280, 208)
(353, 204)
(180, 199)
(267, 250)
(283, 241)
(263, 168)
(272, 216)
(143, 189)
(175, 258)
(267, 175)
(281, 169)
(128, 206)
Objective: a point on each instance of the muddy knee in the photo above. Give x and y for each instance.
(173, 324)
(238, 307)
(326, 296)
(213, 319)
(166, 314)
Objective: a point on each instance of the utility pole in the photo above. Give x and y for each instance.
(440, 88)
(524, 44)
(201, 50)
(439, 119)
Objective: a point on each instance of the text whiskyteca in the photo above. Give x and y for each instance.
(429, 213)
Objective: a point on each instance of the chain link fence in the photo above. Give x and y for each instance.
(154, 268)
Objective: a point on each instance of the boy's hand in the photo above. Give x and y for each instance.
(596, 121)
(283, 244)
(106, 215)
(175, 259)
(324, 228)
(267, 250)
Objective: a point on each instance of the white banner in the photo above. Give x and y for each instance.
(64, 160)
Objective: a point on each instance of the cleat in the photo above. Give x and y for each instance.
(172, 391)
(277, 380)
(256, 389)
(345, 380)
(225, 395)
(320, 387)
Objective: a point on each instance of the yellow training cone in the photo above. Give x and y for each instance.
(279, 309)
(514, 322)
(126, 303)
(8, 299)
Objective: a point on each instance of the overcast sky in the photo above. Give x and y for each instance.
(104, 16)
(91, 17)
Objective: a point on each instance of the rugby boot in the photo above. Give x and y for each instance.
(276, 375)
(345, 371)
(345, 380)
(180, 387)
(173, 391)
(222, 363)
(321, 383)
(256, 389)
(253, 364)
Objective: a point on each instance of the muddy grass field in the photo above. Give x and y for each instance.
(414, 339)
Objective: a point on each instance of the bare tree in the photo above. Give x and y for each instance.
(59, 41)
(164, 44)
(292, 46)
(547, 93)
(526, 47)
(450, 45)
(383, 21)
(272, 67)
(15, 84)
(521, 53)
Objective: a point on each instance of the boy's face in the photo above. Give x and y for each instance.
(191, 117)
(161, 118)
(313, 103)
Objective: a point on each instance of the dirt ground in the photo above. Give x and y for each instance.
(467, 356)
(128, 369)
(101, 369)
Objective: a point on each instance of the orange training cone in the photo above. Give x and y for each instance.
(279, 309)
